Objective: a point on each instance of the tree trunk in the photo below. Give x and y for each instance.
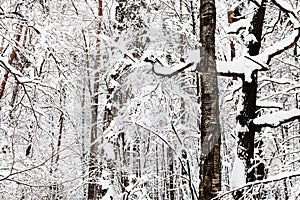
(249, 89)
(94, 190)
(210, 168)
(246, 136)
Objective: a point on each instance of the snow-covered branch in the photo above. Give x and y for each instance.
(282, 45)
(162, 68)
(275, 80)
(277, 118)
(241, 67)
(268, 104)
(290, 40)
(10, 68)
(20, 78)
(239, 25)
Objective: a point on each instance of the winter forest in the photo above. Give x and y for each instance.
(149, 99)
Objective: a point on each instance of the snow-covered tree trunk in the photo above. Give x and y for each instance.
(210, 169)
(248, 113)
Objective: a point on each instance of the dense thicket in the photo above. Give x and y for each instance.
(109, 99)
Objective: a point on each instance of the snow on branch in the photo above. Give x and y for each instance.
(277, 118)
(162, 68)
(279, 47)
(242, 67)
(275, 80)
(290, 40)
(174, 69)
(268, 104)
(239, 25)
(282, 45)
(20, 78)
(10, 68)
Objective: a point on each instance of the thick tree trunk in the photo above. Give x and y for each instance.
(210, 169)
(94, 190)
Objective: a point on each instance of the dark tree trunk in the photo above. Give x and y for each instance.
(249, 89)
(246, 138)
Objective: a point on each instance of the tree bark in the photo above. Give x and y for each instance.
(210, 167)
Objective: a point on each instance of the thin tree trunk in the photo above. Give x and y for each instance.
(210, 167)
(83, 114)
(55, 188)
(94, 190)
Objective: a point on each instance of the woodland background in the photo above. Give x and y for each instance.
(109, 99)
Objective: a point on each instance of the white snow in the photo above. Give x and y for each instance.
(193, 56)
(162, 70)
(278, 46)
(295, 21)
(9, 68)
(242, 65)
(269, 104)
(242, 23)
(286, 6)
(250, 38)
(114, 84)
(275, 80)
(274, 119)
(238, 177)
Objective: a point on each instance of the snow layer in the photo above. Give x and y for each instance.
(276, 80)
(158, 69)
(9, 68)
(269, 104)
(238, 178)
(278, 46)
(243, 65)
(276, 118)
